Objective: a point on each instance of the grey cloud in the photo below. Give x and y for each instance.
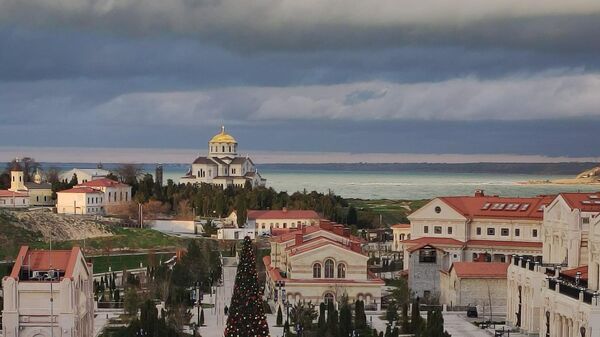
(328, 24)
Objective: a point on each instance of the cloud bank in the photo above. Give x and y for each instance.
(540, 97)
(328, 24)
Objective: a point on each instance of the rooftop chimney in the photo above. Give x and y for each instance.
(299, 238)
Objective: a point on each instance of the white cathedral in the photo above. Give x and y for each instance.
(223, 166)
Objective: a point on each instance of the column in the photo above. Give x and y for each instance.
(565, 327)
(557, 326)
(593, 275)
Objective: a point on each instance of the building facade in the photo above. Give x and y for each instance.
(223, 166)
(478, 228)
(400, 233)
(38, 192)
(83, 175)
(475, 283)
(48, 290)
(280, 221)
(558, 296)
(80, 200)
(10, 199)
(319, 263)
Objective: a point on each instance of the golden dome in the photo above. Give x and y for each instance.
(223, 137)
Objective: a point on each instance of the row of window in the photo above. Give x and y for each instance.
(216, 148)
(37, 198)
(505, 231)
(490, 231)
(114, 196)
(11, 201)
(329, 269)
(93, 200)
(284, 225)
(93, 209)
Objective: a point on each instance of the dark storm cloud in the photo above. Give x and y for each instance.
(329, 24)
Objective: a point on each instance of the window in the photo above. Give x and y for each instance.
(438, 209)
(437, 229)
(534, 233)
(478, 230)
(317, 270)
(585, 221)
(425, 229)
(341, 270)
(427, 255)
(517, 232)
(504, 232)
(329, 269)
(450, 230)
(285, 225)
(491, 231)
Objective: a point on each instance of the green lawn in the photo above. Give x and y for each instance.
(392, 211)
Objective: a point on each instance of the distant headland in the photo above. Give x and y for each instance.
(587, 177)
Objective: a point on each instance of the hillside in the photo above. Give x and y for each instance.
(590, 176)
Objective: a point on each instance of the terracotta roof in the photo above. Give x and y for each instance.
(43, 260)
(282, 214)
(587, 202)
(81, 190)
(499, 243)
(482, 206)
(401, 225)
(103, 182)
(10, 194)
(480, 269)
(324, 225)
(573, 272)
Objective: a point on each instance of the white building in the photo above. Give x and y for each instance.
(559, 295)
(280, 221)
(320, 263)
(481, 284)
(223, 166)
(80, 200)
(48, 290)
(478, 228)
(83, 175)
(10, 199)
(115, 193)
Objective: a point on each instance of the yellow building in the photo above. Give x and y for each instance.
(38, 191)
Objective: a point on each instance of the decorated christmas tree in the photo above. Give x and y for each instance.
(246, 313)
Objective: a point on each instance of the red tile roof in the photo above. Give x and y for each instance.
(499, 243)
(573, 272)
(482, 206)
(81, 190)
(103, 182)
(43, 260)
(324, 225)
(282, 214)
(587, 202)
(480, 269)
(10, 194)
(401, 225)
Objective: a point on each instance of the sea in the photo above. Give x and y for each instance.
(375, 184)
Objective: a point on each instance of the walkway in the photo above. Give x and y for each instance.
(456, 325)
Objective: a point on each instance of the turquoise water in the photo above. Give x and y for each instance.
(403, 185)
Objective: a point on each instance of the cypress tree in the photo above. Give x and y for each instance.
(345, 324)
(246, 313)
(279, 316)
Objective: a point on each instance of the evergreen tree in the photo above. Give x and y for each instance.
(405, 323)
(74, 180)
(246, 312)
(202, 316)
(435, 324)
(391, 315)
(332, 320)
(352, 217)
(360, 318)
(322, 323)
(345, 323)
(416, 321)
(279, 316)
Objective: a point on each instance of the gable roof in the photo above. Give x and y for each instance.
(86, 190)
(586, 202)
(482, 206)
(282, 214)
(495, 270)
(44, 260)
(310, 245)
(435, 241)
(10, 194)
(204, 160)
(400, 226)
(103, 182)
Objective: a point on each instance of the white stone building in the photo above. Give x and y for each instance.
(48, 290)
(478, 228)
(10, 199)
(80, 200)
(83, 175)
(320, 263)
(223, 166)
(481, 284)
(115, 193)
(400, 233)
(276, 222)
(558, 296)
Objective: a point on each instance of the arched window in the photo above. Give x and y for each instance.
(317, 270)
(341, 270)
(329, 269)
(328, 298)
(401, 237)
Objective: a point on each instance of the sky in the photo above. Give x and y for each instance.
(400, 78)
